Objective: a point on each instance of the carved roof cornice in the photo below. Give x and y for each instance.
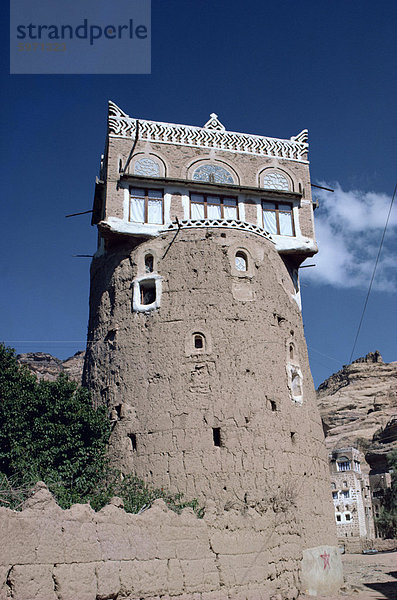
(212, 135)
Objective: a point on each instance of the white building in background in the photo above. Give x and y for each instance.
(351, 494)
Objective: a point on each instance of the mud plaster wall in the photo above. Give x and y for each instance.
(169, 399)
(55, 554)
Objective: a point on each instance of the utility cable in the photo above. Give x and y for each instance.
(373, 274)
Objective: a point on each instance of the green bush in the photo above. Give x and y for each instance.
(50, 431)
(136, 495)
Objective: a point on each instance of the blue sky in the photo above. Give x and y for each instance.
(266, 68)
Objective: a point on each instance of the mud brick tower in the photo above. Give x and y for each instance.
(195, 340)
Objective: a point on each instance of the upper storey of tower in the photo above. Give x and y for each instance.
(157, 176)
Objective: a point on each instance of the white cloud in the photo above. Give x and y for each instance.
(349, 227)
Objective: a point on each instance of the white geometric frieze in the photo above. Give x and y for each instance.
(121, 125)
(228, 223)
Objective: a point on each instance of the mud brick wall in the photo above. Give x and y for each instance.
(52, 554)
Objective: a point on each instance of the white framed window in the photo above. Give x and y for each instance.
(146, 293)
(277, 218)
(211, 206)
(146, 206)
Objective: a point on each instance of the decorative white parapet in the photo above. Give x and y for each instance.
(212, 135)
(228, 223)
(283, 244)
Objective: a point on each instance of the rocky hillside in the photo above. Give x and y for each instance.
(47, 367)
(358, 405)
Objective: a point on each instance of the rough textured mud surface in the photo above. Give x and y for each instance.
(53, 554)
(219, 422)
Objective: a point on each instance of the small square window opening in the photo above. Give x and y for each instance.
(147, 291)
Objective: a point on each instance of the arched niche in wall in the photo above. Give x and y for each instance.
(275, 179)
(198, 341)
(241, 261)
(292, 352)
(294, 373)
(147, 261)
(212, 171)
(147, 165)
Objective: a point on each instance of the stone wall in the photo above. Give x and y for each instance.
(52, 554)
(177, 164)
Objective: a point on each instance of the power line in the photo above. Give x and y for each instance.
(373, 275)
(325, 355)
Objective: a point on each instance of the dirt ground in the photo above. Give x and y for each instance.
(369, 577)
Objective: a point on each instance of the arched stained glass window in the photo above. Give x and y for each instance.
(148, 167)
(212, 174)
(275, 181)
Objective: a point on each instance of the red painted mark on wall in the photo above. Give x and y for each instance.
(325, 558)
